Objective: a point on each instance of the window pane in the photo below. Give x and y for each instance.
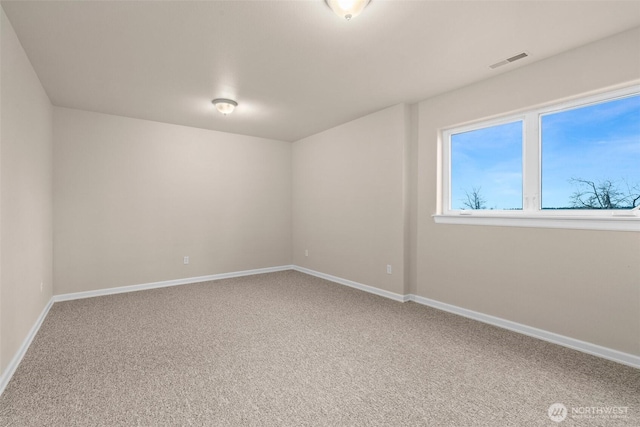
(486, 168)
(591, 156)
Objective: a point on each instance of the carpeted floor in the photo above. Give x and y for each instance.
(288, 349)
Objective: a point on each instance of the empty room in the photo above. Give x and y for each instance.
(320, 212)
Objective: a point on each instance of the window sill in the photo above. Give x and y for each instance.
(568, 222)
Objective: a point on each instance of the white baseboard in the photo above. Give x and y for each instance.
(17, 358)
(163, 284)
(5, 377)
(585, 347)
(352, 284)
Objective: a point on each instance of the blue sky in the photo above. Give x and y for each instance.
(596, 143)
(489, 159)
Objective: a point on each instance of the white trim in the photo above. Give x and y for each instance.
(598, 98)
(532, 214)
(17, 358)
(585, 347)
(163, 284)
(6, 376)
(356, 285)
(619, 223)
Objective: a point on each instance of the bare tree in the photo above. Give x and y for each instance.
(604, 194)
(474, 199)
(633, 194)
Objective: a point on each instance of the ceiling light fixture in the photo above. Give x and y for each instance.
(347, 9)
(225, 106)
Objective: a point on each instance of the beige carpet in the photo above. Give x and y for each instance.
(288, 349)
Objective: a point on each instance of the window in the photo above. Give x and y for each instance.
(486, 168)
(591, 156)
(573, 165)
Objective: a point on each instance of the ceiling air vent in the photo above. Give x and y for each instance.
(509, 60)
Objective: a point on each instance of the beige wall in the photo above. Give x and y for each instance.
(133, 197)
(352, 200)
(25, 201)
(348, 200)
(582, 284)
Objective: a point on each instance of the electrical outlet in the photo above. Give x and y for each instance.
(41, 286)
(389, 269)
(186, 260)
(306, 252)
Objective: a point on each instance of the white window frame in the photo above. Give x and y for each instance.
(532, 215)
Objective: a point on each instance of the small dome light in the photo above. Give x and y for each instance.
(225, 106)
(347, 9)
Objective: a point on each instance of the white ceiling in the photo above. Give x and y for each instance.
(294, 67)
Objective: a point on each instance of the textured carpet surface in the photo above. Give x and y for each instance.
(288, 349)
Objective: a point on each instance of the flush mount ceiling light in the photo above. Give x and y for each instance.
(225, 106)
(347, 9)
